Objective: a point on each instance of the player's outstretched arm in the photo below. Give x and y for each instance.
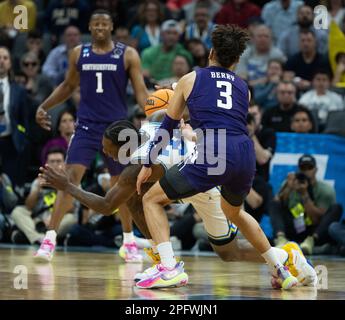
(136, 76)
(117, 195)
(62, 92)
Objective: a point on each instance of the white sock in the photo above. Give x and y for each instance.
(166, 253)
(272, 259)
(51, 235)
(128, 237)
(153, 246)
(281, 254)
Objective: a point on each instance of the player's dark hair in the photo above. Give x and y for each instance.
(229, 42)
(113, 131)
(101, 12)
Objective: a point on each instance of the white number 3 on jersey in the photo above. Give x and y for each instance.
(226, 93)
(99, 82)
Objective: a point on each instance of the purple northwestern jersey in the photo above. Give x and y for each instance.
(219, 100)
(103, 82)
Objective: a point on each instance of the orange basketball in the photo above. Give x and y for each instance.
(158, 100)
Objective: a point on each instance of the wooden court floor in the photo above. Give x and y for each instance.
(94, 275)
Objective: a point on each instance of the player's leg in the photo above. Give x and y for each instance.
(129, 250)
(220, 231)
(62, 205)
(81, 151)
(168, 273)
(231, 206)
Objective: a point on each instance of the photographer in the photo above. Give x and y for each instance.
(32, 218)
(264, 143)
(304, 208)
(8, 200)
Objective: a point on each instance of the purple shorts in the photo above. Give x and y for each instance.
(85, 143)
(238, 170)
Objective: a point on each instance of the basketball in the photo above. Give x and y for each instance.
(158, 100)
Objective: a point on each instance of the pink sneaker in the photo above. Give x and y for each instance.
(130, 253)
(46, 251)
(162, 277)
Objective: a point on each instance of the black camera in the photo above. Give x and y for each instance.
(301, 177)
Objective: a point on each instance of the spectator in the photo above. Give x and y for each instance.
(63, 13)
(176, 5)
(279, 15)
(237, 12)
(279, 117)
(20, 78)
(339, 74)
(189, 9)
(122, 35)
(8, 200)
(147, 33)
(202, 27)
(157, 61)
(301, 66)
(13, 122)
(302, 121)
(337, 232)
(38, 206)
(264, 142)
(7, 15)
(336, 11)
(38, 86)
(304, 208)
(180, 67)
(199, 52)
(253, 62)
(56, 64)
(320, 99)
(65, 130)
(34, 43)
(288, 41)
(265, 94)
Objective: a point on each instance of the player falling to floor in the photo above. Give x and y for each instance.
(102, 70)
(216, 99)
(221, 231)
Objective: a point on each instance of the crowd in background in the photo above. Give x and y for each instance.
(297, 84)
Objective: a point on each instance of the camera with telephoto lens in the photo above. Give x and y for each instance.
(301, 177)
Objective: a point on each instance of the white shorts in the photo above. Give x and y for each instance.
(207, 204)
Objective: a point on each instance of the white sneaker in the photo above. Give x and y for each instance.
(46, 251)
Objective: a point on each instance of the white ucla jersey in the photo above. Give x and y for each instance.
(172, 154)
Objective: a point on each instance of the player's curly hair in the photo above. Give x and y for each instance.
(113, 132)
(229, 42)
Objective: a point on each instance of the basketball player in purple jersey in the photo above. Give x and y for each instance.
(102, 70)
(216, 99)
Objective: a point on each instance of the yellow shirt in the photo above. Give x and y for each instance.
(7, 14)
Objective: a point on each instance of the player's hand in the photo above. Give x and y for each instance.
(54, 178)
(144, 175)
(43, 119)
(187, 131)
